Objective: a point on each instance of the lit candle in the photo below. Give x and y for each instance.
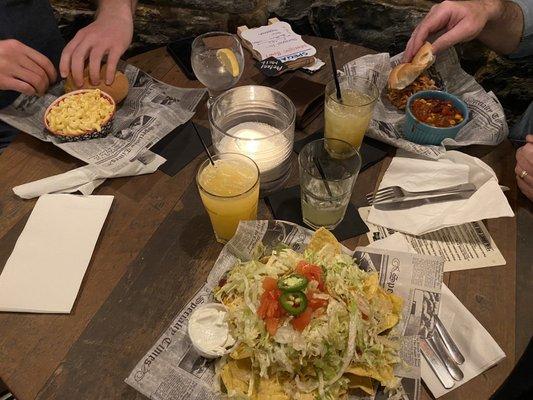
(261, 142)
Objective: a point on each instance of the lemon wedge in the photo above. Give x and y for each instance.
(228, 59)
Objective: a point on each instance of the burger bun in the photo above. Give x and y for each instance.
(118, 90)
(403, 75)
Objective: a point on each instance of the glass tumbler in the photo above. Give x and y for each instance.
(328, 170)
(229, 190)
(348, 118)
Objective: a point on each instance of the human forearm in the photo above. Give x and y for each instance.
(117, 8)
(504, 28)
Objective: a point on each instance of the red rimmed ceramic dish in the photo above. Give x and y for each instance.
(73, 135)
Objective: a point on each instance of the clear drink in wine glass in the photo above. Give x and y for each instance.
(218, 61)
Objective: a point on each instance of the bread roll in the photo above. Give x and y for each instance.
(403, 75)
(118, 90)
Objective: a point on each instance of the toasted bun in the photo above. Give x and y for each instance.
(403, 75)
(424, 56)
(118, 90)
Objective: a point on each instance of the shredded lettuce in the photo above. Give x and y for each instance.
(347, 333)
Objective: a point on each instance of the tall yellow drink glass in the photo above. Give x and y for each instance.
(230, 192)
(348, 119)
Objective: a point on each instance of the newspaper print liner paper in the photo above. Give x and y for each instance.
(487, 124)
(171, 369)
(151, 110)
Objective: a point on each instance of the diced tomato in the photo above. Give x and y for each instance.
(269, 306)
(311, 272)
(315, 302)
(261, 311)
(272, 325)
(299, 323)
(270, 283)
(319, 311)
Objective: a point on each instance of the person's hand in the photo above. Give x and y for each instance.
(109, 35)
(461, 20)
(524, 162)
(24, 69)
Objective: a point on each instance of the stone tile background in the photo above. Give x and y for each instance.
(383, 25)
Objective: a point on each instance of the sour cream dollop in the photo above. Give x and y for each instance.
(209, 330)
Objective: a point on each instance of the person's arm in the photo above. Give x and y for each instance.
(504, 30)
(499, 24)
(109, 35)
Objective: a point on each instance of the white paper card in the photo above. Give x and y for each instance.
(465, 246)
(47, 265)
(278, 40)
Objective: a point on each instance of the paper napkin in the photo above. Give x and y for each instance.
(87, 178)
(453, 168)
(46, 267)
(477, 346)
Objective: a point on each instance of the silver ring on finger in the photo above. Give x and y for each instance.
(523, 174)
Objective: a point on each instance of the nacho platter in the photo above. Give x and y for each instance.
(360, 342)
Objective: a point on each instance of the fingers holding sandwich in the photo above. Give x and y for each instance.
(461, 21)
(404, 74)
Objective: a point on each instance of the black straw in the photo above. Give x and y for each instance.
(335, 77)
(203, 144)
(322, 174)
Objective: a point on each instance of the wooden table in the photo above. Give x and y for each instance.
(156, 249)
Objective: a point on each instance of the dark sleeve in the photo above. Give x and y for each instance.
(525, 47)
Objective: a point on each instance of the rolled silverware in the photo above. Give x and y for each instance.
(442, 352)
(452, 348)
(436, 364)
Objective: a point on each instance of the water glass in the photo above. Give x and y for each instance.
(217, 61)
(328, 170)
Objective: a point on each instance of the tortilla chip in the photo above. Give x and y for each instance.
(397, 303)
(361, 382)
(321, 238)
(270, 389)
(390, 307)
(385, 376)
(371, 285)
(241, 352)
(235, 376)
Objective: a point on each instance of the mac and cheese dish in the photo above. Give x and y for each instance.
(80, 113)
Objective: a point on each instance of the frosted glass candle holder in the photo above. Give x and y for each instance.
(256, 121)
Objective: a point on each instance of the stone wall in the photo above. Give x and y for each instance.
(383, 25)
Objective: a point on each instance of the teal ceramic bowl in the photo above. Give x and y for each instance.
(419, 132)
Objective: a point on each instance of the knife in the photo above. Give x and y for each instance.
(454, 352)
(436, 364)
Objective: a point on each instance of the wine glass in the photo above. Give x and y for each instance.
(217, 61)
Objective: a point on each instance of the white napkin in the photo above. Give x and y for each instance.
(395, 242)
(453, 168)
(478, 347)
(87, 178)
(46, 267)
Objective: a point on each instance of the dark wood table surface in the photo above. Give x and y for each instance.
(157, 247)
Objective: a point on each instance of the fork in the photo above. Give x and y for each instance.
(394, 194)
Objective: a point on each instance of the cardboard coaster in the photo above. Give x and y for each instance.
(285, 205)
(180, 147)
(371, 150)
